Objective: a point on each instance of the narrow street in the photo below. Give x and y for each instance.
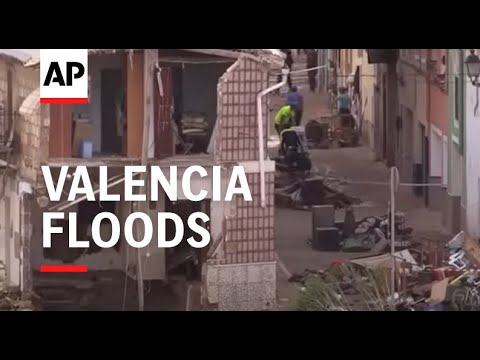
(293, 227)
(175, 112)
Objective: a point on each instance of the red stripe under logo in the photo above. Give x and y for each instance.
(63, 100)
(63, 268)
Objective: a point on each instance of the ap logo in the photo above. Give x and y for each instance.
(64, 76)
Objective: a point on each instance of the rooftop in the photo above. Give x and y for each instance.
(273, 56)
(19, 55)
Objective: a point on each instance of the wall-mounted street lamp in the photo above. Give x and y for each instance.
(472, 64)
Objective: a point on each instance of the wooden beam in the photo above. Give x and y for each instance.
(135, 104)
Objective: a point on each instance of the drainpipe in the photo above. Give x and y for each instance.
(429, 121)
(261, 147)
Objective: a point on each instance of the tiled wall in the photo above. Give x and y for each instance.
(249, 232)
(237, 111)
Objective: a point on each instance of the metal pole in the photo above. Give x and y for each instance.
(392, 101)
(327, 69)
(148, 90)
(319, 75)
(393, 189)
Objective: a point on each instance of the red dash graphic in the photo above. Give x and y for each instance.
(63, 101)
(63, 268)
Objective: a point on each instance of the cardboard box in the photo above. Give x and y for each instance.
(84, 130)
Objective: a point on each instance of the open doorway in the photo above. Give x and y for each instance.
(112, 101)
(192, 84)
(99, 127)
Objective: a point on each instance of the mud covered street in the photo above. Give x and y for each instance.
(351, 165)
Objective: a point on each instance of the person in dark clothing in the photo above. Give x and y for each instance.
(291, 147)
(312, 61)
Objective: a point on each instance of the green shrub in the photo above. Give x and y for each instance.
(346, 288)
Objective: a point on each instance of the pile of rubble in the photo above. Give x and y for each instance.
(303, 191)
(365, 283)
(11, 301)
(370, 234)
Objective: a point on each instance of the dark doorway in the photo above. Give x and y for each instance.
(112, 88)
(183, 258)
(384, 115)
(421, 169)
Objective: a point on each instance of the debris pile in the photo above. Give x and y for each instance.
(370, 234)
(10, 301)
(302, 192)
(365, 283)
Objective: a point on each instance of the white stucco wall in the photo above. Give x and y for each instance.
(9, 231)
(472, 150)
(455, 159)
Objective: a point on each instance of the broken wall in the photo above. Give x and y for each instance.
(24, 81)
(10, 234)
(200, 88)
(251, 231)
(153, 257)
(242, 275)
(27, 132)
(106, 259)
(14, 216)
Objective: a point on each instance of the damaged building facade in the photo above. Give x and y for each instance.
(16, 83)
(179, 107)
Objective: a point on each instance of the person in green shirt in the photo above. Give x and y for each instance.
(285, 118)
